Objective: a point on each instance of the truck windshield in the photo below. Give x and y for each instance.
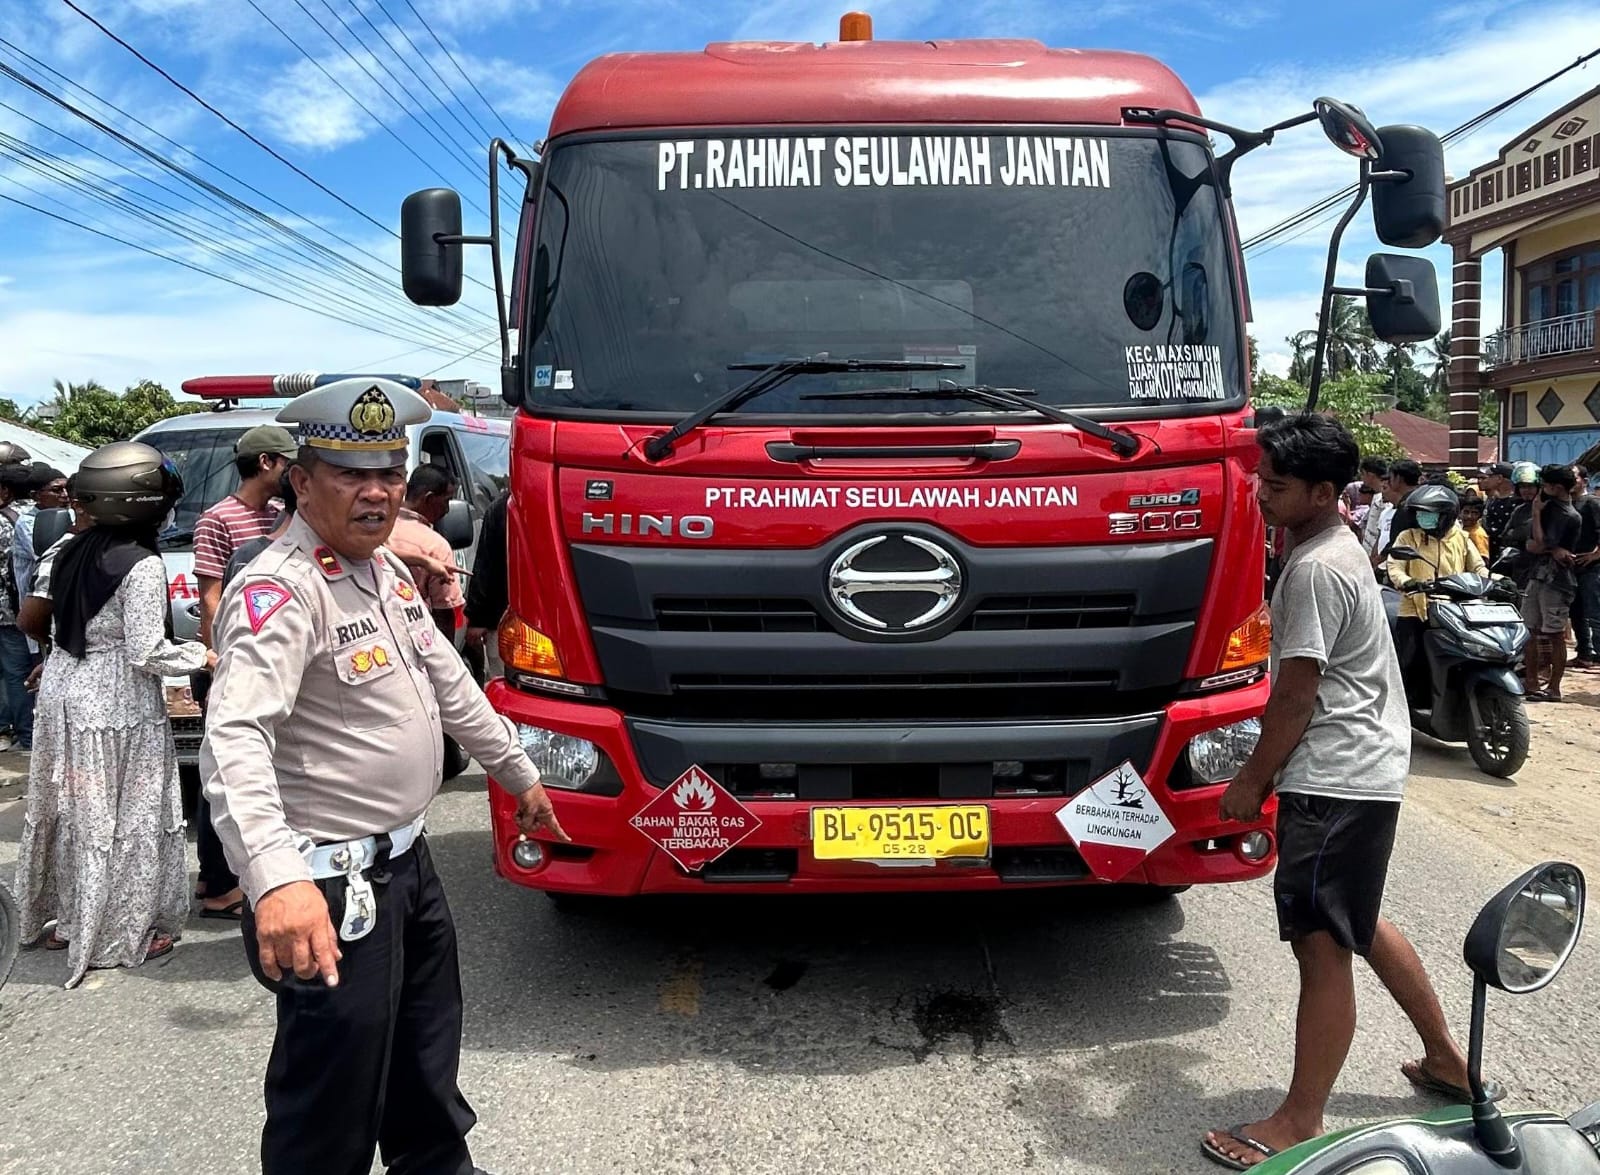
(1089, 266)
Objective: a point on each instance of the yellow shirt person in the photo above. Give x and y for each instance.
(1453, 553)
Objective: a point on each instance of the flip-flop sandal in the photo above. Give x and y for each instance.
(1418, 1076)
(52, 943)
(1223, 1159)
(233, 912)
(162, 944)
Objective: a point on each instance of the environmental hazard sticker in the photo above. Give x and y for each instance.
(695, 820)
(1115, 823)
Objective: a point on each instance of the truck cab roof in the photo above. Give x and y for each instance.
(863, 83)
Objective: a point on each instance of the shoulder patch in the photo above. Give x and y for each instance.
(328, 561)
(261, 600)
(404, 590)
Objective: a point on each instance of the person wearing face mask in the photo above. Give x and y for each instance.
(1445, 550)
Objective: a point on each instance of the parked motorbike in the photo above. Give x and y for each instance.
(1471, 649)
(1519, 942)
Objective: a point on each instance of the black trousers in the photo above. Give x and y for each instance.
(215, 876)
(372, 1061)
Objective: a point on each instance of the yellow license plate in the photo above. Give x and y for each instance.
(916, 833)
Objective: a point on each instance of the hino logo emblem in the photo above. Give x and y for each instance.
(871, 584)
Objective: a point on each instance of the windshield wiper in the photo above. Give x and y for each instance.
(1124, 442)
(771, 375)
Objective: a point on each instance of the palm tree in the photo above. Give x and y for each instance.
(1436, 354)
(1352, 347)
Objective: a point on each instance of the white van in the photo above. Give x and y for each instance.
(475, 450)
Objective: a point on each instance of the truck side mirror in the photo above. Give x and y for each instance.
(456, 525)
(1408, 197)
(1348, 129)
(1402, 298)
(430, 247)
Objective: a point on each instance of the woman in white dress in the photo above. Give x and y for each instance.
(103, 849)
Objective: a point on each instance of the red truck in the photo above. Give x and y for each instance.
(882, 513)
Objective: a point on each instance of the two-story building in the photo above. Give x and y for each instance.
(1538, 204)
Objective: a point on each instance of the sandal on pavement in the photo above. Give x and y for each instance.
(1237, 1134)
(232, 912)
(1418, 1075)
(162, 944)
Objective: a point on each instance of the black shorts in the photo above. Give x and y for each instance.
(1333, 859)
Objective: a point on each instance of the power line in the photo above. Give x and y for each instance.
(1478, 120)
(405, 64)
(371, 364)
(423, 57)
(464, 74)
(185, 264)
(75, 177)
(461, 358)
(301, 172)
(454, 150)
(316, 251)
(327, 73)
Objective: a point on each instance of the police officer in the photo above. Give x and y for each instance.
(332, 695)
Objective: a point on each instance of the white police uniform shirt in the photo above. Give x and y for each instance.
(331, 693)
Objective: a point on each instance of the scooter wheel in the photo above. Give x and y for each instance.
(10, 927)
(1499, 740)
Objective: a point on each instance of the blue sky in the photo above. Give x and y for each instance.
(74, 306)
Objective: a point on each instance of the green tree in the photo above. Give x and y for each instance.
(1351, 346)
(91, 415)
(1488, 413)
(9, 409)
(1436, 358)
(1348, 400)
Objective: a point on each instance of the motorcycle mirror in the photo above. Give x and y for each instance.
(1400, 552)
(1518, 943)
(1525, 934)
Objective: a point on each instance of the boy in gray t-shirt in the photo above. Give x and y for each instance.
(1335, 746)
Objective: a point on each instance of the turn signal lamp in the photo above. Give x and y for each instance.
(1249, 644)
(525, 648)
(855, 26)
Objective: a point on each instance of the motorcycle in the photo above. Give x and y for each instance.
(1520, 940)
(1471, 649)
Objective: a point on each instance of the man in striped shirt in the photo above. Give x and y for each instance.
(262, 455)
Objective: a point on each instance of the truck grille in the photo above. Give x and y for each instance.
(187, 734)
(996, 779)
(777, 614)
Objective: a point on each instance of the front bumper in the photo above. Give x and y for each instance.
(1029, 845)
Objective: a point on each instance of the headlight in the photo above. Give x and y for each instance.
(563, 761)
(1216, 755)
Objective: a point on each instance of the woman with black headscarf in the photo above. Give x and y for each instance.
(103, 849)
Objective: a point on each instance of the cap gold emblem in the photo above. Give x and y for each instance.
(372, 414)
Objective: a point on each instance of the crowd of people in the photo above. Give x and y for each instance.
(1539, 526)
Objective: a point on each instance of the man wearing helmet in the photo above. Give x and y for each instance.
(1444, 549)
(322, 751)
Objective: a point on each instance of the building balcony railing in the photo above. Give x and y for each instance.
(1569, 334)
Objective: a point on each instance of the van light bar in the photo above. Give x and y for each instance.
(276, 387)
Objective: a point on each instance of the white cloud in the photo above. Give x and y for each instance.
(306, 109)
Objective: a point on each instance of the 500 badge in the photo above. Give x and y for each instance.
(1154, 521)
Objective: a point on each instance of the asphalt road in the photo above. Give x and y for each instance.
(1056, 1032)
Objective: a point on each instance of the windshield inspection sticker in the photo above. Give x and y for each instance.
(1116, 823)
(563, 380)
(542, 375)
(884, 161)
(1175, 371)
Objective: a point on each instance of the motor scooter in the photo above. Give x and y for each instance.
(1471, 649)
(1520, 940)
